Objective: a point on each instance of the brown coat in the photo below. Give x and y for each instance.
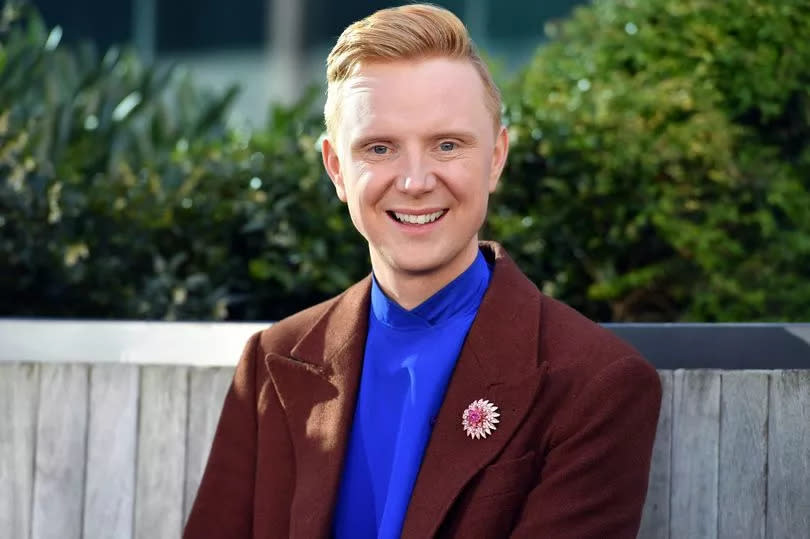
(569, 459)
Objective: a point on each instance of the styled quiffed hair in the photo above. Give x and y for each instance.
(409, 32)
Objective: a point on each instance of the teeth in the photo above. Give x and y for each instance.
(418, 219)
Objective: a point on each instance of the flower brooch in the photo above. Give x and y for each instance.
(479, 419)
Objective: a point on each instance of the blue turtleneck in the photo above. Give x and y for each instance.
(408, 360)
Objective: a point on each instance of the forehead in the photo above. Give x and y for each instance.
(413, 96)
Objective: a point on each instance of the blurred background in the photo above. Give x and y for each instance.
(160, 160)
(275, 48)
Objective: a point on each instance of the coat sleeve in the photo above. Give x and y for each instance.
(594, 479)
(223, 507)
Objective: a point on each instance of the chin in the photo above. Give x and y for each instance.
(417, 262)
(423, 269)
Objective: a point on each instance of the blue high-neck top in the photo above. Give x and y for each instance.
(407, 364)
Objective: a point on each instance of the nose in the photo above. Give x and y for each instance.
(416, 179)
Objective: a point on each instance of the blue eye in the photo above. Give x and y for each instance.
(447, 146)
(379, 149)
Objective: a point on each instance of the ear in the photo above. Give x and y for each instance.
(499, 154)
(331, 162)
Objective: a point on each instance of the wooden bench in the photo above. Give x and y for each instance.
(112, 448)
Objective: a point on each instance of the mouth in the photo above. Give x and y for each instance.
(416, 218)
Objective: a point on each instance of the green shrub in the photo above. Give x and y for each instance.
(660, 167)
(126, 195)
(659, 170)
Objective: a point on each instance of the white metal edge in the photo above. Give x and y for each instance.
(155, 343)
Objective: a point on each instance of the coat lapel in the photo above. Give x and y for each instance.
(318, 389)
(498, 362)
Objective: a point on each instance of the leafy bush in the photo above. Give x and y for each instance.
(126, 195)
(659, 170)
(660, 167)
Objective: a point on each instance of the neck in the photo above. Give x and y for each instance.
(411, 288)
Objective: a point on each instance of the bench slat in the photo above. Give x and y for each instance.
(206, 394)
(744, 453)
(695, 441)
(110, 492)
(19, 390)
(161, 452)
(60, 452)
(789, 455)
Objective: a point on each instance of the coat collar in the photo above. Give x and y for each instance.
(318, 390)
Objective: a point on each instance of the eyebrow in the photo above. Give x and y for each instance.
(366, 140)
(464, 136)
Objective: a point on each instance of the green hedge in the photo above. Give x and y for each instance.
(661, 161)
(659, 171)
(127, 196)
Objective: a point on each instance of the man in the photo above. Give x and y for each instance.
(444, 395)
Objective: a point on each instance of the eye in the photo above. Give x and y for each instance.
(379, 149)
(447, 146)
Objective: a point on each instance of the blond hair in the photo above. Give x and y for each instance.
(409, 32)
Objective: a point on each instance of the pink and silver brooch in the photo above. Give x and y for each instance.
(479, 419)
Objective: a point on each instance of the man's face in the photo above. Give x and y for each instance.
(415, 158)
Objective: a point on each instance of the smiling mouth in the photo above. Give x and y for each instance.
(413, 219)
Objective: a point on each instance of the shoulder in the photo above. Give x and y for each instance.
(587, 363)
(570, 345)
(569, 340)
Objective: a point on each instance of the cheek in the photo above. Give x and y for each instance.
(371, 185)
(364, 193)
(469, 179)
